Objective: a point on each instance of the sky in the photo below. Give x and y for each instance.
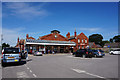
(40, 18)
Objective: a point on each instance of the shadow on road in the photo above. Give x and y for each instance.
(17, 64)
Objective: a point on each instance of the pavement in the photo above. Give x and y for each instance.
(64, 66)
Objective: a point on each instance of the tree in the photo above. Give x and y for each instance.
(111, 40)
(116, 38)
(5, 45)
(97, 38)
(103, 42)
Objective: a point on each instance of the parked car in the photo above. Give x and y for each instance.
(10, 55)
(37, 53)
(83, 53)
(98, 53)
(117, 51)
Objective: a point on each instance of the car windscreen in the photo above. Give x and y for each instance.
(11, 50)
(95, 50)
(101, 50)
(117, 50)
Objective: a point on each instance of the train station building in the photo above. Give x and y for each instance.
(54, 42)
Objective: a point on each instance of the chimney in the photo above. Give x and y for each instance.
(18, 40)
(75, 33)
(68, 35)
(27, 36)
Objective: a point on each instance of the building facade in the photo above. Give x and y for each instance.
(54, 42)
(81, 40)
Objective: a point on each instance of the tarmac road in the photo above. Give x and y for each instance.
(64, 66)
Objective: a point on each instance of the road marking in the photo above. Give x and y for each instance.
(34, 75)
(30, 71)
(28, 68)
(82, 71)
(22, 74)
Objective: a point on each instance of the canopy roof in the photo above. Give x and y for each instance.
(49, 42)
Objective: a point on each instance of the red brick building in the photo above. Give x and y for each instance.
(54, 42)
(81, 40)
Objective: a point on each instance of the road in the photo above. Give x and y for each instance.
(64, 66)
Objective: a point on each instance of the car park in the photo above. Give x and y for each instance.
(83, 53)
(98, 53)
(113, 52)
(37, 53)
(10, 55)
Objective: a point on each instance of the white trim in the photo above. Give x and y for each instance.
(49, 43)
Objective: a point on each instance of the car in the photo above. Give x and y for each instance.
(98, 53)
(37, 53)
(83, 53)
(10, 55)
(113, 52)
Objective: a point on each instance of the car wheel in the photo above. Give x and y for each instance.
(84, 56)
(75, 55)
(2, 63)
(95, 55)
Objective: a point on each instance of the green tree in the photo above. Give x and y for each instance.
(111, 40)
(116, 38)
(5, 45)
(103, 42)
(97, 38)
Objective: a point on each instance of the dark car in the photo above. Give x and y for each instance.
(98, 53)
(83, 53)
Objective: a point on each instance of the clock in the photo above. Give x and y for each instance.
(55, 36)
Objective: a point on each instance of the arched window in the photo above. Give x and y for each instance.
(82, 40)
(78, 40)
(85, 40)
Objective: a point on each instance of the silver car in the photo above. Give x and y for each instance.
(10, 55)
(37, 53)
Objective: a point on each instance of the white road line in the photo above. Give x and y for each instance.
(28, 68)
(82, 71)
(34, 75)
(30, 71)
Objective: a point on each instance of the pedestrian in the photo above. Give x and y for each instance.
(53, 52)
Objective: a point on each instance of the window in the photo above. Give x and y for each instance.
(85, 40)
(78, 40)
(82, 47)
(82, 40)
(79, 47)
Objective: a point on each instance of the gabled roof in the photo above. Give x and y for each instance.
(52, 37)
(31, 38)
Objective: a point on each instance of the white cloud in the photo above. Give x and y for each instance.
(10, 35)
(89, 29)
(26, 10)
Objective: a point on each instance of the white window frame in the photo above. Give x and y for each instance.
(78, 40)
(82, 40)
(85, 40)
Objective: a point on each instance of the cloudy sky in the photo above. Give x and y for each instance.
(39, 18)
